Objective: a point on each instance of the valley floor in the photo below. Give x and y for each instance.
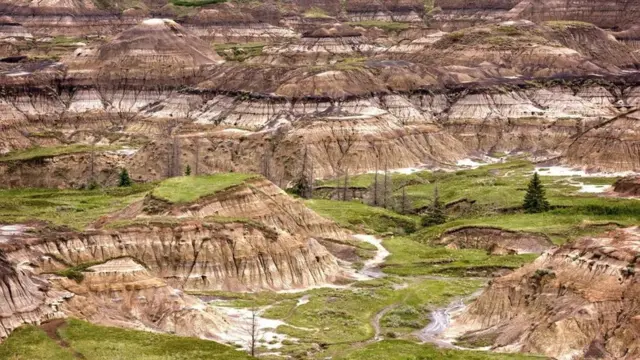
(398, 313)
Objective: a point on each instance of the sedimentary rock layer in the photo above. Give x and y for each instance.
(122, 292)
(25, 298)
(580, 300)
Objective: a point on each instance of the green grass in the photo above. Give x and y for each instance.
(409, 257)
(76, 272)
(30, 343)
(239, 52)
(73, 208)
(46, 152)
(360, 217)
(316, 13)
(186, 189)
(336, 316)
(406, 350)
(108, 343)
(390, 26)
(194, 3)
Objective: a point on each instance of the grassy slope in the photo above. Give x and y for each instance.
(73, 208)
(409, 257)
(187, 189)
(360, 217)
(405, 350)
(31, 343)
(44, 152)
(341, 316)
(108, 343)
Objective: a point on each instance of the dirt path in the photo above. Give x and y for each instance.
(51, 329)
(375, 322)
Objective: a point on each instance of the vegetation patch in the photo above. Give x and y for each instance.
(72, 208)
(30, 343)
(187, 189)
(407, 350)
(316, 13)
(47, 152)
(239, 52)
(195, 3)
(361, 217)
(390, 26)
(409, 257)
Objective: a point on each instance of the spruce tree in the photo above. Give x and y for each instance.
(187, 171)
(534, 200)
(125, 180)
(435, 214)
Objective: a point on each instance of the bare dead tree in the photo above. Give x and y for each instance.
(253, 331)
(196, 169)
(346, 185)
(303, 183)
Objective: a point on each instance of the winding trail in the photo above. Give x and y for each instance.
(375, 322)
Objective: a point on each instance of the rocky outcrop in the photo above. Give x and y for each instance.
(235, 256)
(571, 300)
(496, 241)
(249, 237)
(610, 145)
(627, 186)
(24, 298)
(123, 293)
(66, 171)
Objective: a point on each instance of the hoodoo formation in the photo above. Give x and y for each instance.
(335, 179)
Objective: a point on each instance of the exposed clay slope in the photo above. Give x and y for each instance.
(354, 136)
(495, 240)
(9, 29)
(123, 293)
(249, 237)
(256, 199)
(24, 298)
(523, 48)
(324, 45)
(612, 147)
(234, 257)
(580, 297)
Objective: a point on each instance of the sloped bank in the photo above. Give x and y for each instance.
(580, 300)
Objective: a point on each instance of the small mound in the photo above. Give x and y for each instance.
(497, 241)
(154, 43)
(627, 186)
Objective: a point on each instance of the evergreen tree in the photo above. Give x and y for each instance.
(435, 214)
(187, 171)
(534, 200)
(125, 180)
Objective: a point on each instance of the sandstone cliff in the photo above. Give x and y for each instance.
(580, 300)
(25, 298)
(123, 293)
